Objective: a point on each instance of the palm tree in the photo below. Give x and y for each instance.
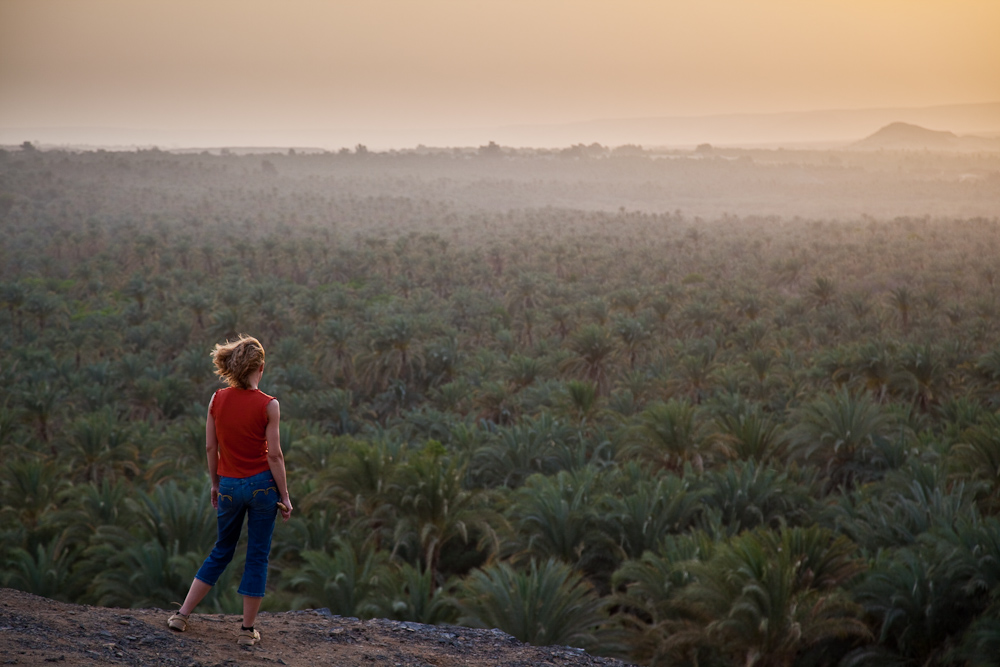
(29, 487)
(918, 604)
(87, 507)
(549, 604)
(434, 510)
(749, 435)
(558, 517)
(975, 458)
(628, 300)
(748, 495)
(822, 293)
(764, 598)
(226, 323)
(971, 548)
(988, 370)
(41, 403)
(311, 308)
(145, 574)
(874, 364)
(581, 398)
(138, 289)
(902, 298)
(661, 306)
(750, 306)
(43, 305)
(363, 475)
(594, 351)
(347, 581)
(653, 509)
(497, 403)
(761, 363)
(316, 530)
(14, 296)
(522, 296)
(840, 434)
(561, 320)
(633, 336)
(77, 338)
(47, 572)
(649, 590)
(922, 377)
(598, 311)
(859, 305)
(521, 371)
(518, 452)
(670, 437)
(696, 374)
(179, 520)
(181, 450)
(905, 507)
(413, 594)
(98, 448)
(699, 316)
(394, 355)
(981, 642)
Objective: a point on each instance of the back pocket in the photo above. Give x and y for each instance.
(226, 492)
(265, 496)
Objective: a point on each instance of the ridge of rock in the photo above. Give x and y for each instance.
(36, 631)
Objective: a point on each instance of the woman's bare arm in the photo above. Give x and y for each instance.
(275, 458)
(212, 452)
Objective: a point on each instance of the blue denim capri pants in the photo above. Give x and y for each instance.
(256, 498)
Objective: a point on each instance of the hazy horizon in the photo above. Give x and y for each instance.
(440, 72)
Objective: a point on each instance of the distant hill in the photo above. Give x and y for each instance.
(823, 128)
(904, 136)
(819, 129)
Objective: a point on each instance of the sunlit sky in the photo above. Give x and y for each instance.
(254, 68)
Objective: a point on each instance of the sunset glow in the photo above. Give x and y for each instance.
(258, 67)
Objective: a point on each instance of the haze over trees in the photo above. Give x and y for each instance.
(690, 408)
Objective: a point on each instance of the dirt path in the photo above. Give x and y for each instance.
(38, 631)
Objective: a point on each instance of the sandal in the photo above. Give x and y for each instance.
(248, 637)
(178, 622)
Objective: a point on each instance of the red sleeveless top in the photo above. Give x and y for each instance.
(241, 428)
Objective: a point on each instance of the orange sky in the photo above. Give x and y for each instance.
(254, 66)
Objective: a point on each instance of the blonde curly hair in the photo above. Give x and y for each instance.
(235, 362)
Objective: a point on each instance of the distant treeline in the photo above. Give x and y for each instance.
(708, 182)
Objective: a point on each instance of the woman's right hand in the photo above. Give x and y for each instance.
(285, 507)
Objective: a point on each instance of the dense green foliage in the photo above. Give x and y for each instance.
(733, 441)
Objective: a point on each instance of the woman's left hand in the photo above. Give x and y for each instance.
(215, 496)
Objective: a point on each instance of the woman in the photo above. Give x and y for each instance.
(247, 470)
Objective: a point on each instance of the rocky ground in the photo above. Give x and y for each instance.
(38, 631)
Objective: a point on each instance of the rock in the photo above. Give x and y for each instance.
(310, 639)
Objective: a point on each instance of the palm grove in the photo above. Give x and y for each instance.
(730, 441)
